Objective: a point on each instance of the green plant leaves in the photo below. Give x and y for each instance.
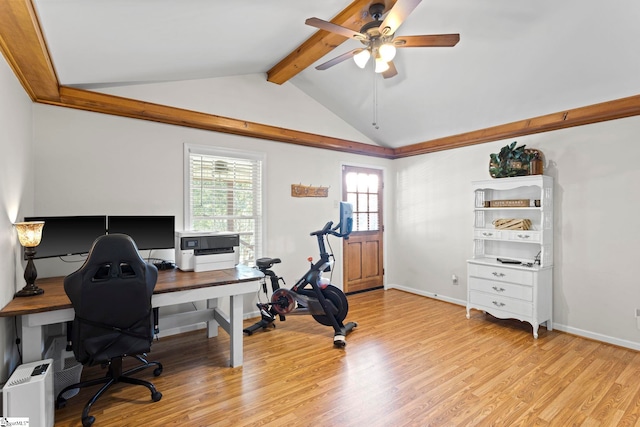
(510, 161)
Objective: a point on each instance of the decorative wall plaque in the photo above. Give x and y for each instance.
(299, 190)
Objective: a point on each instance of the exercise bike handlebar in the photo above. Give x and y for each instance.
(327, 229)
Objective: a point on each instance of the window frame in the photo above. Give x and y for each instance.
(206, 150)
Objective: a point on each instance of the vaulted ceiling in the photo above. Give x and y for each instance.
(520, 66)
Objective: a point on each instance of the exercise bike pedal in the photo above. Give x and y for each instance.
(267, 316)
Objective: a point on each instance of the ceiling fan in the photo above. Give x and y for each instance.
(378, 37)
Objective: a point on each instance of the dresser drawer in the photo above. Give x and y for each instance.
(488, 233)
(501, 289)
(524, 236)
(515, 306)
(496, 272)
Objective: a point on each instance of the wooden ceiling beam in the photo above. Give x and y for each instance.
(322, 42)
(23, 45)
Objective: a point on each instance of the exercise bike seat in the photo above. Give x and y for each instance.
(264, 263)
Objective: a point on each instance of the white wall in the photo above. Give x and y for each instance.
(596, 289)
(16, 199)
(89, 163)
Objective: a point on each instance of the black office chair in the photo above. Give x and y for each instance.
(111, 296)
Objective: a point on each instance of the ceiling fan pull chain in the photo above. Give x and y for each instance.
(375, 103)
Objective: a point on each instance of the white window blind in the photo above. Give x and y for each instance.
(225, 194)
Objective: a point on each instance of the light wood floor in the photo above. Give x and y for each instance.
(412, 361)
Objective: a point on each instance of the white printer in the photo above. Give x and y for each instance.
(206, 250)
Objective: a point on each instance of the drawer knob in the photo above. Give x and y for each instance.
(485, 234)
(498, 304)
(524, 236)
(497, 289)
(495, 273)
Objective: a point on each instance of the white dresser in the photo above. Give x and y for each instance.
(523, 290)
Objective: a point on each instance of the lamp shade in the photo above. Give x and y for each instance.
(30, 233)
(362, 57)
(381, 65)
(387, 52)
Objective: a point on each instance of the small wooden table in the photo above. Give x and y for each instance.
(173, 287)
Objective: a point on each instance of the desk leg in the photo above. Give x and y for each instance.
(235, 333)
(32, 342)
(212, 325)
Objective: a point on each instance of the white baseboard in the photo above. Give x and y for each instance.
(597, 337)
(564, 328)
(428, 294)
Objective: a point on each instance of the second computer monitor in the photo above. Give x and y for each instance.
(149, 232)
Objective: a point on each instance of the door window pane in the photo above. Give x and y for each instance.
(362, 193)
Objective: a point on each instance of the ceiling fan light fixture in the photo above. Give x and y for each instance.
(378, 36)
(362, 57)
(381, 65)
(387, 52)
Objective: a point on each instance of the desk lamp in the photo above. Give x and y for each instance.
(30, 234)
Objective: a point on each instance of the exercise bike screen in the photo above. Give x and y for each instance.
(346, 219)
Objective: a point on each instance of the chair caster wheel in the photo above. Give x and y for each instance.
(156, 395)
(61, 403)
(88, 421)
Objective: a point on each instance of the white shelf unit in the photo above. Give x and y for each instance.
(520, 291)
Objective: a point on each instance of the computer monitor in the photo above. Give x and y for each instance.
(149, 232)
(68, 235)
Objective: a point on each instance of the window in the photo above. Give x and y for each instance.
(224, 193)
(362, 189)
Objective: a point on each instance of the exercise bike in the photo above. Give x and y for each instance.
(312, 294)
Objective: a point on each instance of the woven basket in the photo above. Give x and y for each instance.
(512, 224)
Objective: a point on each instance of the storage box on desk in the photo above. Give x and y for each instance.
(66, 369)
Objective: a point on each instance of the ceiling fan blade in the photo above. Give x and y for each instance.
(435, 40)
(339, 59)
(334, 28)
(397, 15)
(391, 71)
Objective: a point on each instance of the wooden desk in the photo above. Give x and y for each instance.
(173, 287)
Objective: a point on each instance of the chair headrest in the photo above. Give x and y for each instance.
(114, 255)
(113, 247)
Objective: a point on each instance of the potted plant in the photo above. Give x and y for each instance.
(510, 161)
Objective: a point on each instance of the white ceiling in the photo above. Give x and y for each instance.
(516, 59)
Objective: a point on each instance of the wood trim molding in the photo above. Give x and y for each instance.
(610, 110)
(125, 107)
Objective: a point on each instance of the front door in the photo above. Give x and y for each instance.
(363, 260)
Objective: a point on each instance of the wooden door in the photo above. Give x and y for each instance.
(363, 257)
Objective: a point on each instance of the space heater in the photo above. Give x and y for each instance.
(29, 393)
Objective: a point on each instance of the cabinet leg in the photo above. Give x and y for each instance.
(535, 330)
